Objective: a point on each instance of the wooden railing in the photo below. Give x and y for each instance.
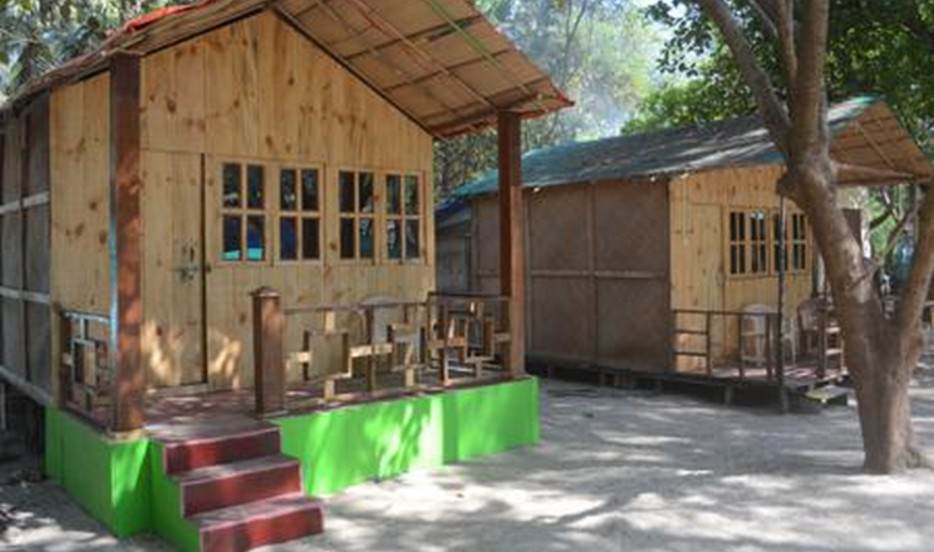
(743, 340)
(384, 347)
(85, 373)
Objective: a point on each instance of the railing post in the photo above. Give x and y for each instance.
(268, 355)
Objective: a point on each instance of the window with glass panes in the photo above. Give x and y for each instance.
(799, 243)
(795, 241)
(403, 217)
(749, 242)
(243, 212)
(357, 206)
(299, 214)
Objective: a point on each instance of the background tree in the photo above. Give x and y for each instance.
(599, 51)
(791, 95)
(888, 54)
(37, 35)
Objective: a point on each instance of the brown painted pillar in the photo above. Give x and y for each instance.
(126, 311)
(268, 355)
(511, 234)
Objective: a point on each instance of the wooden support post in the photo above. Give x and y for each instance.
(125, 244)
(512, 239)
(268, 356)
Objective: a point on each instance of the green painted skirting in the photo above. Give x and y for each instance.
(122, 484)
(109, 478)
(350, 445)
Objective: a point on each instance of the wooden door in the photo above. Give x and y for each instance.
(173, 276)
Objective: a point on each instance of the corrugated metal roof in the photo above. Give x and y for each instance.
(734, 142)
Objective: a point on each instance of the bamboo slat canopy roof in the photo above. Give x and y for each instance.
(439, 61)
(865, 133)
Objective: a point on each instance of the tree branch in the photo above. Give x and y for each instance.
(809, 99)
(911, 306)
(761, 8)
(784, 10)
(773, 112)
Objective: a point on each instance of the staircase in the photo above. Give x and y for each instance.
(236, 487)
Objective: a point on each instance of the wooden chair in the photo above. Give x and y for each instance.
(820, 332)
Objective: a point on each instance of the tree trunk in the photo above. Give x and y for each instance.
(879, 357)
(882, 384)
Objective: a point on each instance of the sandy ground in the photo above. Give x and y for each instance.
(616, 470)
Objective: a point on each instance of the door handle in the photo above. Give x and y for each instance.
(188, 272)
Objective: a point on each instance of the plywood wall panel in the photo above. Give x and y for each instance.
(80, 126)
(699, 205)
(256, 91)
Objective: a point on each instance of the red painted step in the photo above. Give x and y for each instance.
(224, 485)
(190, 455)
(271, 521)
(236, 487)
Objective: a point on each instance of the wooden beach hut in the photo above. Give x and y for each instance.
(647, 252)
(226, 209)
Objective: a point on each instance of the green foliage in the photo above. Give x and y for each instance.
(598, 51)
(880, 47)
(37, 35)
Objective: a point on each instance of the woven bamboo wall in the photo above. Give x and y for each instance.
(597, 257)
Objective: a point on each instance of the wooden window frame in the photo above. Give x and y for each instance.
(748, 245)
(245, 212)
(278, 213)
(403, 217)
(357, 215)
(790, 242)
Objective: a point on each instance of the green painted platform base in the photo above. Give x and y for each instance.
(122, 482)
(350, 445)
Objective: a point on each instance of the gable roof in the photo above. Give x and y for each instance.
(438, 61)
(741, 141)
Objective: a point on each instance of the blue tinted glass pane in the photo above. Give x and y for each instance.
(255, 239)
(412, 240)
(366, 238)
(288, 196)
(310, 190)
(366, 193)
(347, 192)
(288, 239)
(394, 239)
(393, 194)
(232, 189)
(311, 249)
(233, 231)
(348, 250)
(254, 180)
(411, 195)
